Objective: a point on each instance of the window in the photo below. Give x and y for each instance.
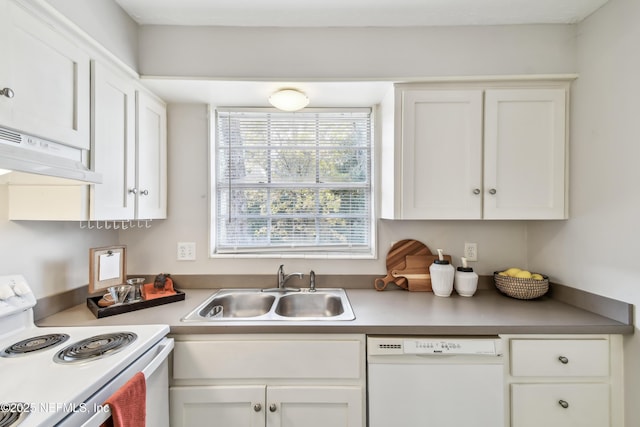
(293, 182)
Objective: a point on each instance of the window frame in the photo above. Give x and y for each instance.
(330, 253)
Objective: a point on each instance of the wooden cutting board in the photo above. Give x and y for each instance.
(396, 260)
(417, 272)
(408, 264)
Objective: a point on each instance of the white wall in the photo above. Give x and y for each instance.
(105, 22)
(53, 256)
(355, 53)
(595, 249)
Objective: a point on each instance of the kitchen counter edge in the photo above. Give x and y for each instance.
(397, 312)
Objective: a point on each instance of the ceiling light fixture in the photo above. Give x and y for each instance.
(289, 100)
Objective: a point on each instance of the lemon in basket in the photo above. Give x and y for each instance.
(537, 276)
(523, 274)
(512, 271)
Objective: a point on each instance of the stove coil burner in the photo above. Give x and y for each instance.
(95, 347)
(12, 413)
(33, 344)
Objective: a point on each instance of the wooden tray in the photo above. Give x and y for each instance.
(112, 310)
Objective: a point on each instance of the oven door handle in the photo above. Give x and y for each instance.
(166, 346)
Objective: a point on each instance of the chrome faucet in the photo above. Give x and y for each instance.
(283, 278)
(312, 281)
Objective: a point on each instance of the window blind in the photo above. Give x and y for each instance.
(293, 181)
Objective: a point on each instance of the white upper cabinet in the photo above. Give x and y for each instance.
(113, 148)
(48, 76)
(151, 157)
(89, 100)
(524, 154)
(129, 148)
(476, 151)
(441, 152)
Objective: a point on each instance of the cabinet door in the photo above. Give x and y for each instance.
(315, 407)
(49, 76)
(217, 405)
(560, 405)
(524, 157)
(152, 157)
(113, 144)
(6, 46)
(441, 154)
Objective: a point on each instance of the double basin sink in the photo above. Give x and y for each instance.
(260, 304)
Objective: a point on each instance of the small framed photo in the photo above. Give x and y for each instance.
(107, 267)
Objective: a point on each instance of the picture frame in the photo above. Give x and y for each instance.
(107, 267)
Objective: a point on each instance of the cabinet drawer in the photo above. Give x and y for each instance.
(268, 359)
(560, 405)
(560, 358)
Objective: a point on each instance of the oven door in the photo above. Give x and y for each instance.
(154, 365)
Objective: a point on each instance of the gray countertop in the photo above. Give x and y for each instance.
(390, 312)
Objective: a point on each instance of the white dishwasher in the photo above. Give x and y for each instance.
(435, 382)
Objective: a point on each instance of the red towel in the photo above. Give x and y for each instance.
(129, 404)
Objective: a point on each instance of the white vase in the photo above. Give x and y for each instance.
(442, 274)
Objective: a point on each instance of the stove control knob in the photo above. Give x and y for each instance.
(21, 289)
(6, 292)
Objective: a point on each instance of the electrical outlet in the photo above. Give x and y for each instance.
(186, 251)
(471, 251)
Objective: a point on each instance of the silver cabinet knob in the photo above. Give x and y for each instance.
(563, 360)
(7, 92)
(144, 192)
(273, 407)
(476, 191)
(257, 407)
(492, 191)
(133, 191)
(563, 403)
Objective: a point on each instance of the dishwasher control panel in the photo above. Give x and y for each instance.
(435, 346)
(450, 346)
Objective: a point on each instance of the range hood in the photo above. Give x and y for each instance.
(26, 159)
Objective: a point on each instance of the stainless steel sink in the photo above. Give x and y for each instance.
(309, 304)
(259, 304)
(237, 304)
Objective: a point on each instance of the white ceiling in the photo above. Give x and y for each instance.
(328, 13)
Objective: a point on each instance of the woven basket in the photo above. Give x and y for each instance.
(521, 288)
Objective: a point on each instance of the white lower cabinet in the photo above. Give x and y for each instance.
(560, 405)
(272, 380)
(314, 406)
(218, 405)
(565, 381)
(261, 405)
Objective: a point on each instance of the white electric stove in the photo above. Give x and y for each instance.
(62, 375)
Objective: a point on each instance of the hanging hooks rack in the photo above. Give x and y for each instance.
(115, 224)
